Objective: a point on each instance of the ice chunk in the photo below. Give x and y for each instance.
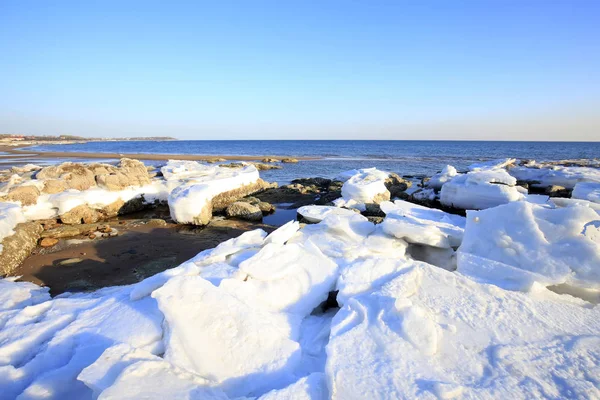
(418, 224)
(514, 241)
(318, 213)
(14, 295)
(212, 333)
(566, 177)
(437, 181)
(431, 333)
(311, 387)
(480, 190)
(587, 191)
(293, 278)
(283, 233)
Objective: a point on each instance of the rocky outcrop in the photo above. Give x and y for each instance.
(396, 185)
(17, 247)
(129, 173)
(266, 167)
(558, 191)
(269, 160)
(265, 207)
(289, 160)
(82, 214)
(27, 195)
(245, 211)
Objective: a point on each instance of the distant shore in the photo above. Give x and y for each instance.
(25, 154)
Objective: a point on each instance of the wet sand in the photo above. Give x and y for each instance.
(139, 251)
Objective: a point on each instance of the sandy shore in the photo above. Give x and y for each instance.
(26, 155)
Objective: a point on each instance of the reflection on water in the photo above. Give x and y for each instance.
(281, 215)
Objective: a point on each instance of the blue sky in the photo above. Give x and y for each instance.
(302, 69)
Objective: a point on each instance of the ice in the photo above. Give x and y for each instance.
(10, 216)
(318, 213)
(566, 177)
(14, 295)
(521, 243)
(283, 233)
(429, 333)
(437, 181)
(366, 186)
(190, 201)
(418, 224)
(160, 380)
(480, 190)
(312, 387)
(587, 191)
(214, 334)
(492, 164)
(292, 278)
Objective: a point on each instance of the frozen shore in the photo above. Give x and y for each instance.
(481, 283)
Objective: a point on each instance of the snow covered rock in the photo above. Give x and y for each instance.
(214, 334)
(192, 200)
(10, 216)
(437, 181)
(318, 213)
(566, 177)
(366, 186)
(520, 243)
(587, 191)
(480, 190)
(492, 164)
(422, 225)
(429, 333)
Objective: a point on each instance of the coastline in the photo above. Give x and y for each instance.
(24, 154)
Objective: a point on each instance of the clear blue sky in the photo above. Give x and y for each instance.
(302, 69)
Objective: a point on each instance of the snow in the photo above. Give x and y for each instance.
(201, 184)
(481, 189)
(312, 387)
(429, 333)
(418, 224)
(10, 216)
(318, 213)
(216, 335)
(566, 177)
(522, 243)
(492, 164)
(437, 181)
(587, 191)
(365, 186)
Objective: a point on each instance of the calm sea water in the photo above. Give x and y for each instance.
(403, 157)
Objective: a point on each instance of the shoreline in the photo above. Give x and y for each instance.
(24, 153)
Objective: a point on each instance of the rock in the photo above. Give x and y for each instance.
(17, 247)
(265, 167)
(289, 160)
(80, 214)
(113, 209)
(78, 177)
(215, 160)
(222, 200)
(48, 242)
(396, 185)
(375, 220)
(134, 205)
(269, 160)
(27, 195)
(245, 211)
(66, 231)
(48, 223)
(266, 208)
(232, 165)
(319, 182)
(70, 261)
(130, 173)
(156, 222)
(53, 186)
(373, 210)
(558, 191)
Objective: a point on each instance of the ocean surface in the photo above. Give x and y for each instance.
(333, 156)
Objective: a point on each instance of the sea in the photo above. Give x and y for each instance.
(405, 157)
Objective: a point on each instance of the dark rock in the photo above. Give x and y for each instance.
(245, 211)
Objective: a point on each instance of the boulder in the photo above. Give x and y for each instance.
(66, 231)
(75, 176)
(266, 167)
(558, 191)
(243, 210)
(129, 173)
(17, 247)
(396, 185)
(80, 214)
(48, 242)
(269, 160)
(27, 195)
(222, 200)
(289, 160)
(53, 186)
(266, 208)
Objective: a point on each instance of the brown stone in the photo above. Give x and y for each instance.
(80, 214)
(48, 242)
(289, 160)
(27, 195)
(245, 211)
(53, 186)
(17, 247)
(269, 160)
